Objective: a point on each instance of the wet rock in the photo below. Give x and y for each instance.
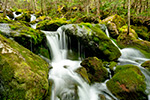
(113, 23)
(128, 83)
(23, 75)
(142, 32)
(146, 65)
(24, 17)
(95, 70)
(82, 71)
(93, 41)
(32, 39)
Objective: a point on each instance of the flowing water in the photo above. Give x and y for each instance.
(68, 85)
(33, 17)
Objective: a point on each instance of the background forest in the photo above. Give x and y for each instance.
(60, 8)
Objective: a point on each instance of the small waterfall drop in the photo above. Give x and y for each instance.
(68, 85)
(32, 18)
(15, 15)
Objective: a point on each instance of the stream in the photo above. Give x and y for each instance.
(67, 84)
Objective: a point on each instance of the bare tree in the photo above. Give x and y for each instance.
(128, 17)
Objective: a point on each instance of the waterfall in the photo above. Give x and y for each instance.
(32, 18)
(15, 15)
(34, 26)
(67, 84)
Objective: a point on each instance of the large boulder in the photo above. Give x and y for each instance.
(92, 41)
(95, 70)
(51, 25)
(128, 83)
(132, 40)
(23, 75)
(113, 23)
(146, 65)
(34, 40)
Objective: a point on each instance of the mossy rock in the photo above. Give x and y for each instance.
(128, 83)
(132, 41)
(142, 32)
(116, 19)
(95, 70)
(23, 75)
(41, 18)
(10, 14)
(92, 40)
(52, 25)
(146, 65)
(82, 71)
(4, 19)
(113, 30)
(32, 39)
(24, 17)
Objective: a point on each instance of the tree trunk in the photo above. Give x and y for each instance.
(4, 13)
(128, 17)
(42, 6)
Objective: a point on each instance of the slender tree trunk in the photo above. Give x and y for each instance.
(4, 13)
(98, 6)
(42, 6)
(128, 17)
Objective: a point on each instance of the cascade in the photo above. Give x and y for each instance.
(32, 18)
(135, 57)
(15, 15)
(68, 85)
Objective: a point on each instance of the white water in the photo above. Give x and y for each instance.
(32, 18)
(135, 57)
(5, 28)
(34, 26)
(68, 85)
(15, 15)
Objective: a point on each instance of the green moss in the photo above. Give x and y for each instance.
(95, 70)
(119, 21)
(82, 71)
(146, 65)
(142, 32)
(52, 25)
(127, 83)
(112, 65)
(23, 74)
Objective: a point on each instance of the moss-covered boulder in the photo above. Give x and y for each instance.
(23, 75)
(51, 25)
(24, 17)
(113, 23)
(34, 40)
(93, 41)
(95, 69)
(146, 65)
(132, 40)
(142, 32)
(128, 83)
